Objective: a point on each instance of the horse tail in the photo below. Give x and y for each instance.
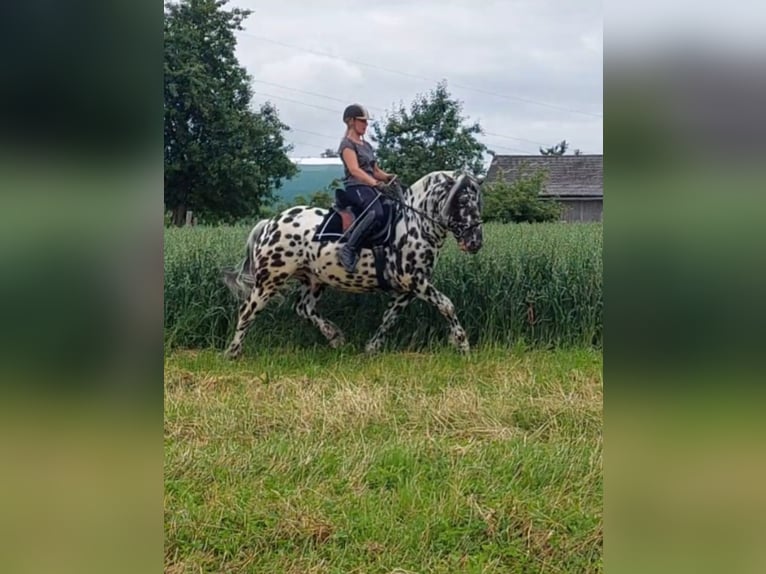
(241, 279)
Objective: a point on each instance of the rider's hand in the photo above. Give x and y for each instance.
(382, 185)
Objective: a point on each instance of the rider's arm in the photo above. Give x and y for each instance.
(352, 164)
(379, 174)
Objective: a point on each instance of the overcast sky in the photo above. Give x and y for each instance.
(529, 71)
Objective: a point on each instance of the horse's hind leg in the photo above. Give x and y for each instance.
(257, 300)
(306, 308)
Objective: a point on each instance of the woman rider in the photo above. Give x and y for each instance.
(362, 182)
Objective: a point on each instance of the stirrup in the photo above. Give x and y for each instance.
(345, 252)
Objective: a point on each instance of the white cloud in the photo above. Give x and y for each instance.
(305, 71)
(543, 56)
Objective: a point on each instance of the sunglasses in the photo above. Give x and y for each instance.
(363, 120)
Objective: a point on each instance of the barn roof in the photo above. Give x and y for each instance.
(568, 175)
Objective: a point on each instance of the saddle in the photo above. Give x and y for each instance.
(335, 228)
(341, 216)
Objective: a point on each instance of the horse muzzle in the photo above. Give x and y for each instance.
(471, 241)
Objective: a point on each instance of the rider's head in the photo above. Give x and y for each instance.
(355, 117)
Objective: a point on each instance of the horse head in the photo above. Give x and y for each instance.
(461, 212)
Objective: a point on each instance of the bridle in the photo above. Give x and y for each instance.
(414, 209)
(446, 225)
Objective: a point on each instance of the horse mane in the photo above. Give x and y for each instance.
(419, 187)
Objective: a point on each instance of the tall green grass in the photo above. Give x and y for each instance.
(540, 285)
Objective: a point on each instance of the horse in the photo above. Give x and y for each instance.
(423, 215)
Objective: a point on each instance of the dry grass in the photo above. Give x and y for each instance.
(429, 463)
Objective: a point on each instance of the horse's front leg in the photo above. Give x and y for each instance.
(457, 334)
(395, 307)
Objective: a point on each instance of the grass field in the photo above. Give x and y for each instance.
(322, 461)
(540, 284)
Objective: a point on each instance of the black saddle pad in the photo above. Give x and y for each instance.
(331, 228)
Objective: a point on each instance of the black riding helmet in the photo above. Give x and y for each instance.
(355, 111)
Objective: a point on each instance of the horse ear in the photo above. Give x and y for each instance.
(459, 183)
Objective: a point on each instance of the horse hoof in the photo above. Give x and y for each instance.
(229, 354)
(462, 348)
(372, 349)
(337, 341)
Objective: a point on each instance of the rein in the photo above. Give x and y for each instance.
(423, 214)
(418, 211)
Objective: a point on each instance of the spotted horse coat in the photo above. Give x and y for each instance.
(281, 248)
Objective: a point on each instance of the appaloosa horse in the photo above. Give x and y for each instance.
(286, 246)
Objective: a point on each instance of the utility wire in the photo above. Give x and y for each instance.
(325, 96)
(420, 77)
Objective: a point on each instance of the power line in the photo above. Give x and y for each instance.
(491, 146)
(325, 96)
(514, 138)
(371, 107)
(333, 138)
(294, 142)
(323, 147)
(420, 77)
(315, 133)
(299, 102)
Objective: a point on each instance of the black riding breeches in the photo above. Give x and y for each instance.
(364, 198)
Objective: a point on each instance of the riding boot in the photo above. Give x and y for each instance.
(349, 253)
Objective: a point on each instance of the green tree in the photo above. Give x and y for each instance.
(222, 159)
(431, 135)
(520, 200)
(321, 198)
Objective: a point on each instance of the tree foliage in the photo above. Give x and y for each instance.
(222, 159)
(520, 200)
(323, 198)
(431, 135)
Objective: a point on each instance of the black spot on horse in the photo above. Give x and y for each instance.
(296, 224)
(287, 220)
(262, 275)
(294, 211)
(275, 237)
